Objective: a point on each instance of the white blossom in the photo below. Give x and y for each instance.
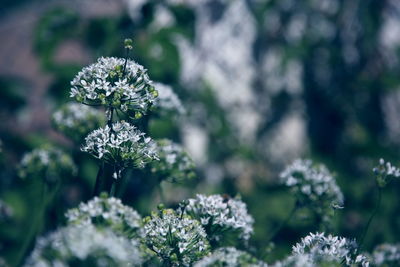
(167, 101)
(177, 239)
(122, 146)
(317, 248)
(114, 82)
(313, 185)
(76, 121)
(107, 212)
(49, 163)
(85, 245)
(174, 165)
(221, 214)
(385, 171)
(230, 257)
(386, 255)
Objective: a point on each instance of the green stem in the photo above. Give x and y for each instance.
(284, 223)
(378, 204)
(113, 187)
(98, 184)
(36, 222)
(161, 193)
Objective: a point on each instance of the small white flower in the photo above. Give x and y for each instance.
(167, 101)
(123, 146)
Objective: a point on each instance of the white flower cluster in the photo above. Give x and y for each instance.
(313, 185)
(174, 165)
(107, 212)
(221, 215)
(48, 163)
(114, 82)
(230, 257)
(167, 101)
(385, 171)
(387, 255)
(85, 245)
(177, 239)
(122, 146)
(320, 248)
(76, 120)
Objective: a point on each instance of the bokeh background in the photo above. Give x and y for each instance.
(263, 82)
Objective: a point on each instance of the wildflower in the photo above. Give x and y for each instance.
(174, 163)
(387, 255)
(176, 239)
(114, 82)
(85, 245)
(221, 216)
(314, 186)
(318, 248)
(76, 121)
(107, 212)
(122, 146)
(230, 257)
(167, 101)
(385, 172)
(48, 163)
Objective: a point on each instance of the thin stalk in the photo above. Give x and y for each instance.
(284, 222)
(30, 237)
(378, 204)
(161, 193)
(98, 184)
(113, 188)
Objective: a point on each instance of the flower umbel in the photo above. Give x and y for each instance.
(107, 212)
(387, 255)
(174, 165)
(167, 101)
(385, 172)
(76, 121)
(314, 186)
(122, 146)
(85, 245)
(221, 216)
(177, 239)
(319, 248)
(48, 163)
(114, 82)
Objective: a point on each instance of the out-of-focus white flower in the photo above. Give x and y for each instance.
(221, 215)
(48, 163)
(313, 185)
(167, 101)
(107, 212)
(114, 82)
(230, 257)
(174, 163)
(122, 146)
(177, 239)
(385, 172)
(85, 245)
(386, 255)
(318, 248)
(76, 120)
